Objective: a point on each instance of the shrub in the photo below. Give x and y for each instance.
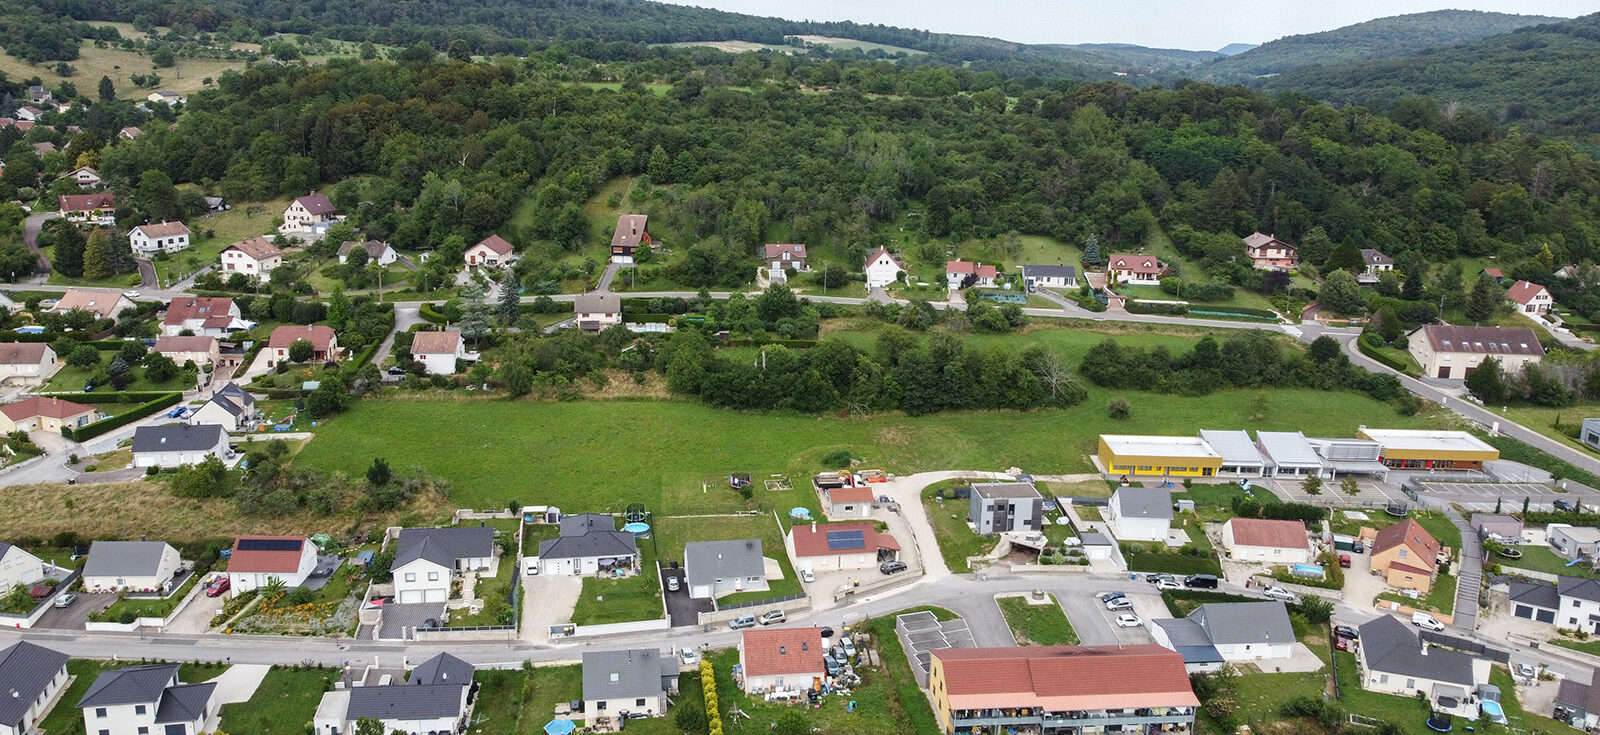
(1118, 409)
(838, 459)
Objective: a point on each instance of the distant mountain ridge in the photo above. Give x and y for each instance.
(1234, 49)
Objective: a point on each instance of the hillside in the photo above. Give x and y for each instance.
(1144, 56)
(1234, 49)
(1526, 76)
(1383, 37)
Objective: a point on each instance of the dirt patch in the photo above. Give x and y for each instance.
(621, 385)
(893, 436)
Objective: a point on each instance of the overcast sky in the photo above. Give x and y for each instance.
(1187, 24)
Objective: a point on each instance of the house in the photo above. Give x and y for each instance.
(310, 214)
(1029, 688)
(1259, 539)
(1500, 528)
(139, 700)
(1535, 600)
(130, 133)
(1577, 703)
(631, 234)
(998, 507)
(164, 96)
(435, 700)
(1392, 659)
(202, 316)
(1425, 449)
(848, 502)
(717, 568)
(780, 258)
(782, 659)
(1290, 454)
(1570, 603)
(589, 544)
(1374, 262)
(623, 684)
(27, 363)
(1589, 433)
(217, 204)
(174, 445)
(94, 209)
(1139, 270)
(259, 560)
(1240, 456)
(1268, 253)
(83, 176)
(231, 407)
(1036, 277)
(39, 149)
(167, 237)
(597, 310)
(1574, 542)
(1406, 556)
(377, 252)
(38, 95)
(1494, 273)
(1164, 456)
(135, 566)
(324, 343)
(46, 414)
(1530, 298)
(832, 547)
(438, 351)
(963, 274)
(882, 269)
(33, 675)
(1453, 352)
(1140, 513)
(102, 304)
(199, 350)
(491, 251)
(29, 113)
(17, 566)
(426, 558)
(1235, 632)
(255, 257)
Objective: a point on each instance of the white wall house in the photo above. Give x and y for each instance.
(202, 316)
(175, 445)
(492, 251)
(882, 269)
(1049, 276)
(136, 566)
(148, 700)
(166, 237)
(1530, 298)
(597, 310)
(439, 352)
(254, 257)
(27, 363)
(425, 559)
(781, 659)
(421, 580)
(257, 561)
(1140, 513)
(1143, 270)
(1393, 660)
(17, 566)
(1273, 542)
(377, 252)
(1452, 352)
(33, 676)
(310, 215)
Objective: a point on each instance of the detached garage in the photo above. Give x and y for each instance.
(1536, 601)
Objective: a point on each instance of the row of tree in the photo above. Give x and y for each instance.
(1251, 360)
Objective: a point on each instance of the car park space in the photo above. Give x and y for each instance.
(682, 609)
(74, 616)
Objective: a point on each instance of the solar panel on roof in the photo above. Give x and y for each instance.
(846, 540)
(269, 544)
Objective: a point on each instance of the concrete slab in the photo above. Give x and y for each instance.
(546, 601)
(239, 683)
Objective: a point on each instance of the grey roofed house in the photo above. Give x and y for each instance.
(1575, 695)
(124, 558)
(177, 438)
(1094, 538)
(582, 523)
(1502, 526)
(406, 702)
(1190, 641)
(1228, 623)
(1392, 648)
(1050, 271)
(132, 685)
(232, 390)
(235, 410)
(26, 670)
(706, 562)
(435, 544)
(1005, 490)
(442, 669)
(1582, 588)
(1537, 594)
(592, 544)
(1145, 502)
(184, 702)
(597, 303)
(630, 674)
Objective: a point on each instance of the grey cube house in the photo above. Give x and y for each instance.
(999, 507)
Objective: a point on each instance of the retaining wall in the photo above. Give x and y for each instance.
(636, 626)
(723, 616)
(508, 633)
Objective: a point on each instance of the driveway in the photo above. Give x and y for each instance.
(73, 618)
(239, 683)
(681, 608)
(196, 618)
(547, 600)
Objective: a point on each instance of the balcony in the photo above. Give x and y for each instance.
(1177, 719)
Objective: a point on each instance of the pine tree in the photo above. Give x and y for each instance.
(1091, 250)
(660, 167)
(1414, 287)
(338, 309)
(97, 256)
(474, 313)
(510, 298)
(108, 91)
(69, 242)
(1486, 382)
(1484, 298)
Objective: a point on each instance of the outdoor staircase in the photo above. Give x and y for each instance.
(1469, 572)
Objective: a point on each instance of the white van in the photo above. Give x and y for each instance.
(1427, 622)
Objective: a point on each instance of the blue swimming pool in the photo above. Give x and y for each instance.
(1492, 709)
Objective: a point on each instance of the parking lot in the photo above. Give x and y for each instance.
(1484, 495)
(73, 618)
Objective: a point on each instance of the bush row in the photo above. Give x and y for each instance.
(801, 344)
(100, 427)
(1156, 307)
(1369, 343)
(131, 396)
(427, 312)
(1240, 311)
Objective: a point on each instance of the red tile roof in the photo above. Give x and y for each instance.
(880, 251)
(435, 343)
(101, 303)
(631, 229)
(256, 561)
(53, 408)
(967, 267)
(1495, 272)
(497, 244)
(168, 345)
(1523, 292)
(1424, 547)
(797, 252)
(216, 311)
(316, 204)
(782, 651)
(1147, 264)
(1262, 532)
(319, 336)
(22, 353)
(164, 229)
(87, 202)
(1483, 340)
(850, 495)
(812, 540)
(258, 248)
(1065, 677)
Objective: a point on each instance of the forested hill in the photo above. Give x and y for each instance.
(1541, 77)
(1383, 37)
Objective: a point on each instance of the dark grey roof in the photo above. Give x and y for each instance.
(399, 702)
(457, 542)
(442, 669)
(233, 390)
(630, 674)
(1049, 271)
(1392, 648)
(232, 408)
(1244, 622)
(1005, 490)
(1538, 594)
(4, 547)
(1145, 502)
(25, 670)
(124, 558)
(132, 685)
(177, 437)
(1094, 538)
(597, 303)
(705, 562)
(597, 543)
(1189, 640)
(1582, 588)
(1503, 525)
(583, 523)
(184, 702)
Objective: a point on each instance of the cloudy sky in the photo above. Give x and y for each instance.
(1188, 24)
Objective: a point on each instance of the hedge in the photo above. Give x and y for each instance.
(1569, 517)
(1370, 350)
(100, 427)
(794, 343)
(1239, 311)
(1156, 307)
(427, 312)
(366, 354)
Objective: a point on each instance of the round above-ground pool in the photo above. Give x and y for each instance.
(1493, 710)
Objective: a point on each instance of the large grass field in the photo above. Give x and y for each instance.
(1542, 559)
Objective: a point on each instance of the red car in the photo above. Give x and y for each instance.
(1344, 560)
(1340, 643)
(218, 586)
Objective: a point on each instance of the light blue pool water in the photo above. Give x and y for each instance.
(1492, 709)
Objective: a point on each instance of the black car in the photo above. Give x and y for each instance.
(890, 567)
(1345, 631)
(1560, 504)
(1200, 581)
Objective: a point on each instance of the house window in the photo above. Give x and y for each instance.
(100, 712)
(138, 709)
(1403, 554)
(600, 705)
(411, 576)
(433, 576)
(1411, 683)
(639, 702)
(144, 730)
(1383, 678)
(1574, 603)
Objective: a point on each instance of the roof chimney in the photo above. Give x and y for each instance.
(782, 650)
(813, 526)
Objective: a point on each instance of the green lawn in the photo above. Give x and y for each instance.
(1037, 625)
(64, 718)
(71, 379)
(243, 221)
(1260, 695)
(1590, 646)
(285, 701)
(1542, 559)
(672, 533)
(948, 516)
(151, 608)
(880, 705)
(496, 594)
(1543, 420)
(1408, 713)
(516, 702)
(620, 600)
(1441, 597)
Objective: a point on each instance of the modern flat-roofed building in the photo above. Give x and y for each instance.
(1419, 449)
(1291, 455)
(1159, 456)
(998, 507)
(1240, 456)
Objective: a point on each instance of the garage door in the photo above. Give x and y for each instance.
(436, 595)
(410, 596)
(1523, 611)
(1545, 616)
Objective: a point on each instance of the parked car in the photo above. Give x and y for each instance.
(1341, 644)
(1157, 578)
(747, 620)
(1560, 504)
(1345, 631)
(218, 586)
(849, 647)
(890, 567)
(1168, 584)
(134, 294)
(1279, 593)
(1525, 671)
(1344, 561)
(66, 600)
(1426, 622)
(831, 664)
(688, 657)
(1200, 581)
(1117, 604)
(806, 575)
(1128, 621)
(772, 616)
(673, 585)
(1109, 596)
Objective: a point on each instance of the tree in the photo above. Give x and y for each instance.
(1487, 382)
(1349, 486)
(516, 374)
(301, 350)
(369, 726)
(1118, 409)
(1341, 294)
(83, 356)
(339, 307)
(69, 246)
(1484, 298)
(108, 91)
(571, 227)
(368, 51)
(1091, 250)
(791, 723)
(157, 196)
(97, 257)
(474, 313)
(159, 368)
(1414, 289)
(510, 298)
(1323, 349)
(1312, 485)
(660, 167)
(459, 51)
(1346, 256)
(378, 474)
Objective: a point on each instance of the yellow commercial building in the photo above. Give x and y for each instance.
(1162, 456)
(1430, 450)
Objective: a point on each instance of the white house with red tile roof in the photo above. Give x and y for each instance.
(1260, 539)
(95, 209)
(882, 269)
(203, 316)
(439, 352)
(48, 414)
(258, 560)
(27, 363)
(491, 251)
(83, 176)
(130, 133)
(201, 351)
(166, 237)
(780, 258)
(1530, 298)
(964, 273)
(1268, 253)
(849, 502)
(309, 216)
(831, 547)
(255, 257)
(1452, 352)
(29, 113)
(103, 304)
(324, 343)
(1143, 270)
(781, 659)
